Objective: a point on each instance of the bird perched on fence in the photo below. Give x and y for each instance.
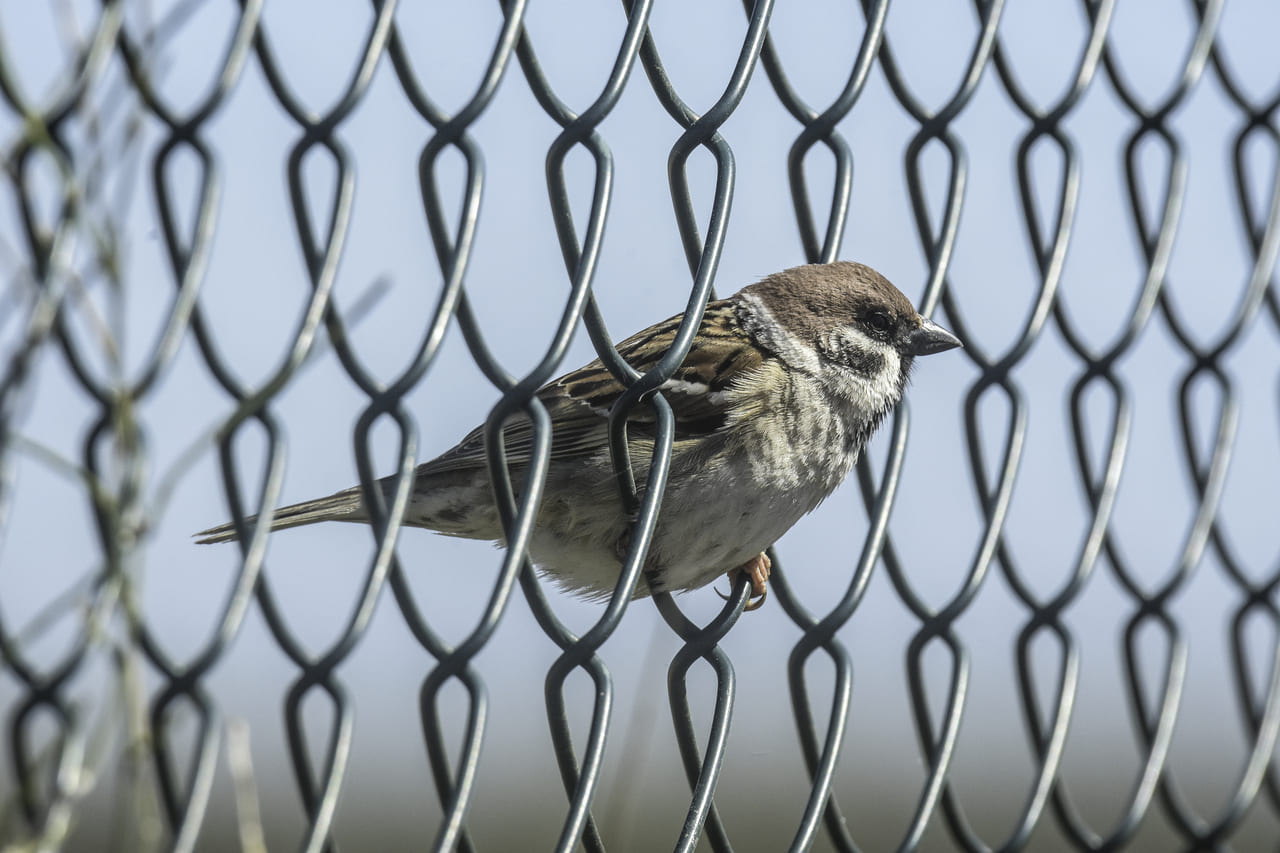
(784, 383)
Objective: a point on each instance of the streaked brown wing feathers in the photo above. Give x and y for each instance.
(579, 402)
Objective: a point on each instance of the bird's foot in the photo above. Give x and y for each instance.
(757, 571)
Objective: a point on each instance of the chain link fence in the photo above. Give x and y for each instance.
(1002, 636)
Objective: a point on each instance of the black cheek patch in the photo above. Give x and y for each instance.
(861, 360)
(866, 362)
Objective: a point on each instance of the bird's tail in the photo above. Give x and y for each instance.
(346, 505)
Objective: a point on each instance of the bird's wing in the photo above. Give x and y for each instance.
(579, 402)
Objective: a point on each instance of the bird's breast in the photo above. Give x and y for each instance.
(803, 440)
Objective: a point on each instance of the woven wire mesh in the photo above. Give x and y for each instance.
(104, 126)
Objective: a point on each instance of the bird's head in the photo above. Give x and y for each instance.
(847, 323)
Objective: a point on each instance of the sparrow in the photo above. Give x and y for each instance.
(783, 385)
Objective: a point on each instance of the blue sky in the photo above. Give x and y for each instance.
(256, 286)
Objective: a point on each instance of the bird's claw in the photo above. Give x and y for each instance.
(753, 603)
(757, 571)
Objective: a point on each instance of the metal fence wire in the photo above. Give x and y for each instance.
(102, 123)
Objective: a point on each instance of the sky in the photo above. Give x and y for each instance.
(255, 287)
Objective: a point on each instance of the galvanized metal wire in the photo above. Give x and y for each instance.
(41, 293)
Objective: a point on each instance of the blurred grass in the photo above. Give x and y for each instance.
(392, 819)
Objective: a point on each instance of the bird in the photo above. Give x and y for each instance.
(784, 383)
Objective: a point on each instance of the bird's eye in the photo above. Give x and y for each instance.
(879, 321)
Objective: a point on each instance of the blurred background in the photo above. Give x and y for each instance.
(1086, 192)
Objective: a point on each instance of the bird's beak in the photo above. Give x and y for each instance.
(930, 338)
